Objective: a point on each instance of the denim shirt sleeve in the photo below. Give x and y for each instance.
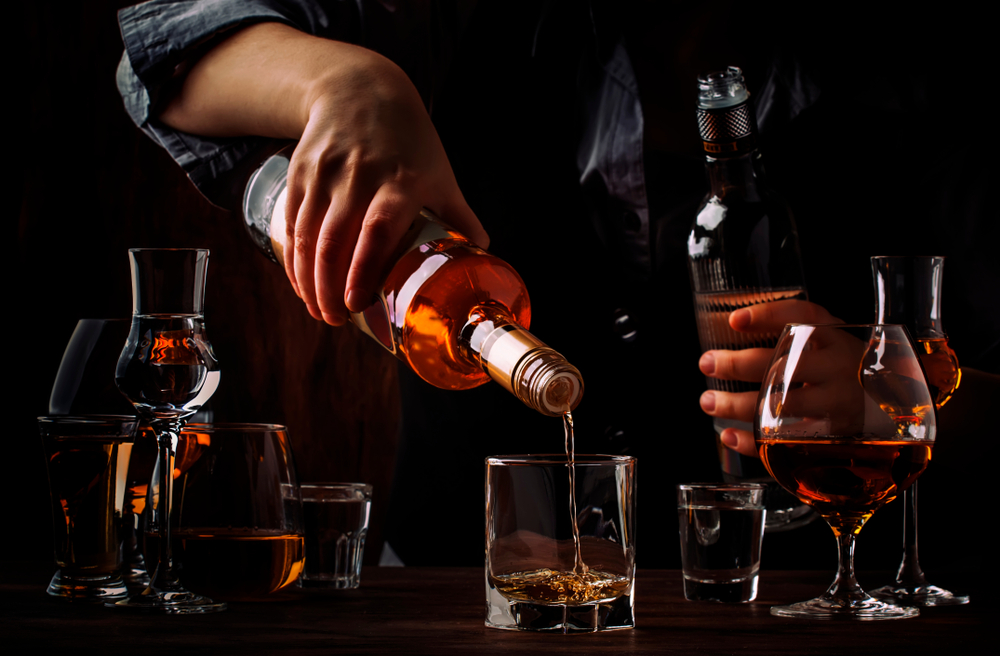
(161, 35)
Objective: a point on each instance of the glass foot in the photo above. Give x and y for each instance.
(171, 603)
(83, 588)
(919, 595)
(828, 608)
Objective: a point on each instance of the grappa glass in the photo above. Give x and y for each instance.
(908, 292)
(845, 421)
(167, 370)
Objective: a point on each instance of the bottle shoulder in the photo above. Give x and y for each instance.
(736, 214)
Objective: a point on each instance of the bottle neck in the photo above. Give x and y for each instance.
(522, 364)
(740, 176)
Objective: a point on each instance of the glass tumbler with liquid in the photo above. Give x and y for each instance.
(86, 459)
(721, 531)
(560, 543)
(237, 520)
(336, 524)
(743, 250)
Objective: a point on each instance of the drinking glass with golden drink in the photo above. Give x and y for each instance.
(908, 292)
(86, 458)
(560, 543)
(845, 421)
(237, 521)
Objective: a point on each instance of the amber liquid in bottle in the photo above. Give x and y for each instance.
(455, 314)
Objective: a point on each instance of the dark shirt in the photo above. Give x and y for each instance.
(542, 114)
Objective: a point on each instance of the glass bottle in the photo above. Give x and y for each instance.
(743, 249)
(452, 312)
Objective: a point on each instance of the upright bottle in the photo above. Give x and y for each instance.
(743, 248)
(455, 314)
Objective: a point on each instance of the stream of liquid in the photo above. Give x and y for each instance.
(579, 567)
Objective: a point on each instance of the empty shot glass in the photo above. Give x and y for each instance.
(87, 458)
(560, 543)
(336, 523)
(721, 531)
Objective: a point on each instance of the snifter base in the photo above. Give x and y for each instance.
(171, 603)
(860, 608)
(922, 596)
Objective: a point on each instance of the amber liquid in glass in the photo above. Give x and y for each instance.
(941, 365)
(88, 495)
(234, 563)
(846, 480)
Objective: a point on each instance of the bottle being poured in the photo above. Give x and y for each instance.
(452, 312)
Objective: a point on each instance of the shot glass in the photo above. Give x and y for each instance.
(336, 521)
(560, 543)
(87, 458)
(721, 530)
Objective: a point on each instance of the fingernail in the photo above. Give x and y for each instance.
(707, 363)
(708, 401)
(356, 301)
(740, 319)
(334, 319)
(729, 438)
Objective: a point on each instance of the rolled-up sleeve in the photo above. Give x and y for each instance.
(161, 36)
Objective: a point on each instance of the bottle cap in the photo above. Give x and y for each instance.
(725, 116)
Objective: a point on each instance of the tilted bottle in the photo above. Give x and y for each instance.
(743, 248)
(455, 314)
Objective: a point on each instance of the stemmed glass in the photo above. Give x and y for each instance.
(167, 370)
(844, 421)
(908, 292)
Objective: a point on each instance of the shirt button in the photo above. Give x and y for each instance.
(624, 326)
(616, 438)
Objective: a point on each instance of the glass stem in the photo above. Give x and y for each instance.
(910, 574)
(167, 430)
(845, 588)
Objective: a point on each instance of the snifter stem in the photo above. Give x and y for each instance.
(845, 589)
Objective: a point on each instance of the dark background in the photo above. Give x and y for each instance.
(91, 186)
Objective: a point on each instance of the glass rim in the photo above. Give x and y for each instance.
(85, 419)
(585, 459)
(721, 486)
(208, 427)
(187, 249)
(335, 491)
(848, 325)
(909, 257)
(334, 486)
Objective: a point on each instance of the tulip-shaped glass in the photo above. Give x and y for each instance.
(167, 370)
(908, 291)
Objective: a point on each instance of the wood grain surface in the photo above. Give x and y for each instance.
(441, 611)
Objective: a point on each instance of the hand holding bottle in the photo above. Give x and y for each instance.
(750, 364)
(368, 158)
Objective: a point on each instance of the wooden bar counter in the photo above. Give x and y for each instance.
(441, 610)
